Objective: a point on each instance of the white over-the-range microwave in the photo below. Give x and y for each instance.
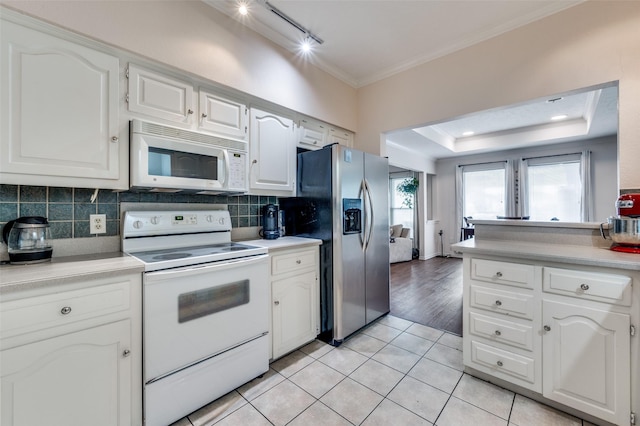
(169, 159)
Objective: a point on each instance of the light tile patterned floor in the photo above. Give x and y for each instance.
(393, 372)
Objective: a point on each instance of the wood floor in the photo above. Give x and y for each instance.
(428, 292)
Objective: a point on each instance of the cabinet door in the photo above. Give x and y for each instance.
(160, 96)
(586, 359)
(312, 134)
(342, 137)
(59, 112)
(294, 312)
(224, 117)
(272, 153)
(75, 379)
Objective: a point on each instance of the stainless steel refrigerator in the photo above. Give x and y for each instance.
(343, 199)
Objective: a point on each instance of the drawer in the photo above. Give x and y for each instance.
(497, 330)
(503, 302)
(514, 274)
(503, 363)
(291, 262)
(607, 288)
(40, 312)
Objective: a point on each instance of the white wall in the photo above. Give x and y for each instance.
(589, 44)
(603, 164)
(196, 38)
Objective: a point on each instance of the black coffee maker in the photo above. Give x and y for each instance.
(270, 226)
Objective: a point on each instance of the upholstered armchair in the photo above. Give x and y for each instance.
(400, 245)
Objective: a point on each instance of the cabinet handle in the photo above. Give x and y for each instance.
(204, 115)
(584, 287)
(547, 328)
(66, 310)
(114, 139)
(499, 363)
(126, 353)
(498, 303)
(498, 333)
(499, 274)
(298, 261)
(276, 302)
(189, 111)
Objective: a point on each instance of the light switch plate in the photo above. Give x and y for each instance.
(97, 223)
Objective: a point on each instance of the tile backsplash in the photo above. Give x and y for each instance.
(68, 209)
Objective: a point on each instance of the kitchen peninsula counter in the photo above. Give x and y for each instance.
(565, 242)
(548, 252)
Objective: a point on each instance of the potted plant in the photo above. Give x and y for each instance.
(408, 188)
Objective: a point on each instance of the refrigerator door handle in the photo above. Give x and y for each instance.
(362, 195)
(368, 215)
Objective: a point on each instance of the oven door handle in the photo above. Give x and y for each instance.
(203, 268)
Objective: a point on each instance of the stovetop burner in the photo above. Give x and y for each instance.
(173, 239)
(182, 256)
(171, 256)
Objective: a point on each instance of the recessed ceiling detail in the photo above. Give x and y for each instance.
(589, 114)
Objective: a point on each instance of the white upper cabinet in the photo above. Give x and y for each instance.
(343, 137)
(272, 153)
(160, 96)
(312, 134)
(59, 112)
(222, 116)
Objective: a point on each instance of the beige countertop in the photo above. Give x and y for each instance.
(72, 269)
(283, 243)
(561, 253)
(66, 269)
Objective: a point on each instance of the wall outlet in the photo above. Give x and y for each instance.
(97, 223)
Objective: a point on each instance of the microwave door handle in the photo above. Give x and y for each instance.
(225, 156)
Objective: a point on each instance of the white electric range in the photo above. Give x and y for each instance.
(205, 309)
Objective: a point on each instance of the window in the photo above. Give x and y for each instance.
(554, 189)
(484, 191)
(401, 207)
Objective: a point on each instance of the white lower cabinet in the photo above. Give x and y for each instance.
(561, 332)
(72, 380)
(71, 355)
(586, 357)
(295, 299)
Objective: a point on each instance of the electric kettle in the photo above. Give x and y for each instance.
(28, 240)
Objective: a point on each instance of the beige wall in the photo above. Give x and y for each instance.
(196, 38)
(589, 44)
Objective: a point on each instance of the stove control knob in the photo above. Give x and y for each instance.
(221, 221)
(137, 224)
(155, 220)
(209, 218)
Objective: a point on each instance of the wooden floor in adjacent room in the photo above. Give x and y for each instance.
(428, 292)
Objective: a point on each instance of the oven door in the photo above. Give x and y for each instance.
(196, 312)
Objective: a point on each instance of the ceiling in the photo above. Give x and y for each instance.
(368, 40)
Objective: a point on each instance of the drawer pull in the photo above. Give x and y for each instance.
(499, 274)
(276, 302)
(584, 287)
(126, 353)
(547, 328)
(498, 333)
(498, 303)
(66, 310)
(298, 261)
(500, 364)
